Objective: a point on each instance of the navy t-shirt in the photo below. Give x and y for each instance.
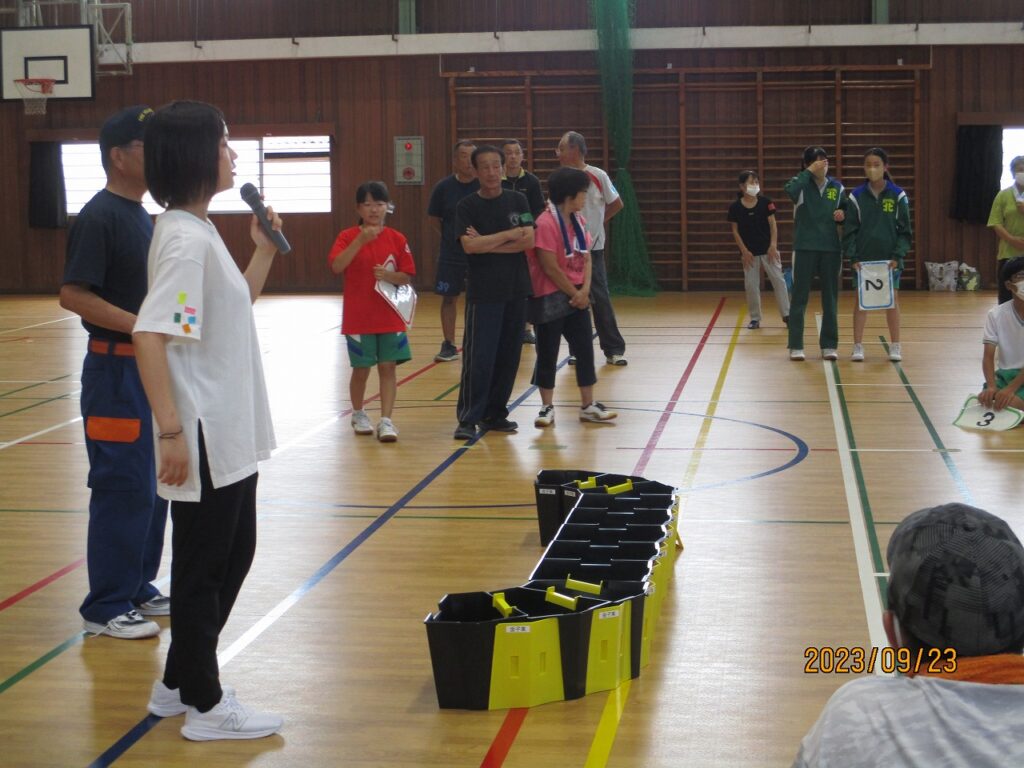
(108, 248)
(495, 277)
(752, 224)
(443, 201)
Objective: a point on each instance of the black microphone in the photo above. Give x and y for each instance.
(251, 196)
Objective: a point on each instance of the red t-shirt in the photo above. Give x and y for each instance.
(364, 310)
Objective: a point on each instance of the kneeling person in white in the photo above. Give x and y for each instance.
(199, 360)
(1004, 340)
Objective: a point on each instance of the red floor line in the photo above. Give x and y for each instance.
(40, 584)
(502, 743)
(72, 566)
(514, 719)
(652, 443)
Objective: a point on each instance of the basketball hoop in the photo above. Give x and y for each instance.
(34, 92)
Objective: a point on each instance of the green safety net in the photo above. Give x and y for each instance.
(629, 267)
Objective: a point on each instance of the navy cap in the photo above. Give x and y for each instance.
(124, 127)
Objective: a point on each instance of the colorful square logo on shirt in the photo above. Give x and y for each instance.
(185, 316)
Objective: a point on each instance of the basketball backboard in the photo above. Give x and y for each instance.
(64, 54)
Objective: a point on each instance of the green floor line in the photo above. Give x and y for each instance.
(942, 450)
(862, 491)
(34, 405)
(31, 386)
(26, 671)
(448, 391)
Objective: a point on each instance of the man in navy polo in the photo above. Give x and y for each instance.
(105, 281)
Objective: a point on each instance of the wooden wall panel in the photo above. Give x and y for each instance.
(369, 101)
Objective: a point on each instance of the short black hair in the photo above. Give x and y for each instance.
(566, 183)
(745, 175)
(1008, 269)
(460, 144)
(486, 149)
(375, 190)
(878, 152)
(506, 142)
(182, 152)
(814, 153)
(1018, 160)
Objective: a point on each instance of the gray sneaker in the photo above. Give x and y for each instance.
(127, 626)
(230, 719)
(156, 606)
(448, 353)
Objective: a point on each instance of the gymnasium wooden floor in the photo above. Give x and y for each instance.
(794, 476)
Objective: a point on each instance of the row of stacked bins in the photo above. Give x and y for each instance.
(585, 619)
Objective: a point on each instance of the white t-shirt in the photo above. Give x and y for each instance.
(918, 722)
(1006, 330)
(198, 296)
(600, 195)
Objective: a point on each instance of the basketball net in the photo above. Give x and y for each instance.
(34, 92)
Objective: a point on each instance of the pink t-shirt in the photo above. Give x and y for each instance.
(548, 236)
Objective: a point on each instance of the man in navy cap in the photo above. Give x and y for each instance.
(105, 281)
(956, 620)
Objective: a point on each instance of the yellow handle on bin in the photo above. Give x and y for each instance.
(559, 599)
(583, 586)
(615, 489)
(501, 604)
(590, 482)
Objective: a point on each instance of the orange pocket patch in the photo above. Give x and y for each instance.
(113, 430)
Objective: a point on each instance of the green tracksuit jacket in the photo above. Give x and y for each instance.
(813, 226)
(877, 228)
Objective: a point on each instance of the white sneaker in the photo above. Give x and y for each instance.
(829, 354)
(796, 354)
(361, 423)
(895, 352)
(164, 702)
(546, 417)
(857, 355)
(597, 412)
(127, 626)
(157, 606)
(616, 360)
(386, 431)
(230, 719)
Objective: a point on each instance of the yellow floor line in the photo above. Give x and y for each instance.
(607, 728)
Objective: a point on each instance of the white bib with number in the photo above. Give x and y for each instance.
(976, 416)
(874, 285)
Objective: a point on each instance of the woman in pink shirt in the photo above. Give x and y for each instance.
(560, 273)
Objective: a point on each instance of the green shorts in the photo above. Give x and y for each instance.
(1005, 376)
(368, 349)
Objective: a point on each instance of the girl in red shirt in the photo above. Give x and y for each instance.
(374, 331)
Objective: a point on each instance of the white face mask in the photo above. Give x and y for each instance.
(1019, 178)
(753, 189)
(874, 174)
(1018, 288)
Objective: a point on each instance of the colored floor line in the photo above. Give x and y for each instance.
(943, 451)
(615, 704)
(32, 386)
(50, 655)
(640, 465)
(24, 672)
(504, 739)
(705, 427)
(13, 599)
(37, 325)
(865, 542)
(608, 726)
(65, 396)
(448, 391)
(645, 457)
(55, 427)
(144, 726)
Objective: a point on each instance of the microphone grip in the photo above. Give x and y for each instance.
(252, 199)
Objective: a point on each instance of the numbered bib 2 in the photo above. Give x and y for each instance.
(874, 286)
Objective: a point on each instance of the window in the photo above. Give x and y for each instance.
(292, 172)
(1013, 146)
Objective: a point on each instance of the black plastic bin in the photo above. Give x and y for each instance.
(548, 490)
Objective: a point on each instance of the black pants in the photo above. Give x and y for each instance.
(607, 326)
(213, 543)
(577, 331)
(491, 348)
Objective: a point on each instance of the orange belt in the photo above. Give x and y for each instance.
(119, 348)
